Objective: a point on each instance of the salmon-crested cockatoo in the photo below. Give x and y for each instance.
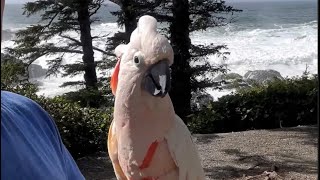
(147, 140)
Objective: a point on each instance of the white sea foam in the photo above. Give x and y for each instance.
(287, 49)
(284, 48)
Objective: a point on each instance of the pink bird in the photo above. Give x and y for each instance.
(147, 140)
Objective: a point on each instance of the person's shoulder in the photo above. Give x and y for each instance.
(7, 94)
(29, 136)
(11, 99)
(16, 106)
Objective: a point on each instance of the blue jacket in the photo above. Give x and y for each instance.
(31, 147)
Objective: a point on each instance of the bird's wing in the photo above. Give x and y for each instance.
(184, 152)
(113, 153)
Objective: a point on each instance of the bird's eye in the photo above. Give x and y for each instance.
(136, 60)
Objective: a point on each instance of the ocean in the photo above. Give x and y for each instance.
(280, 35)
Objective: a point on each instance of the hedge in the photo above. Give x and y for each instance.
(280, 103)
(83, 130)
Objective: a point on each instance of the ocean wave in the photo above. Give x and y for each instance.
(287, 48)
(287, 25)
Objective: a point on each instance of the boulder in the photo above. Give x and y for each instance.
(36, 71)
(229, 76)
(262, 76)
(232, 80)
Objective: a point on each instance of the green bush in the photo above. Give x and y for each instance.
(286, 103)
(101, 97)
(83, 130)
(13, 71)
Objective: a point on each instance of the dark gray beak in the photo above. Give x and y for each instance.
(157, 79)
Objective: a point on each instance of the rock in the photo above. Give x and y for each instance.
(200, 100)
(232, 80)
(262, 76)
(36, 71)
(274, 168)
(229, 76)
(266, 175)
(7, 35)
(273, 175)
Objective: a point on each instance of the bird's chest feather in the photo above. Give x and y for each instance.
(142, 156)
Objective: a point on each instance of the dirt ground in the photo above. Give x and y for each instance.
(281, 154)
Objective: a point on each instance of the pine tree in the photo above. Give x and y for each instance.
(180, 18)
(58, 17)
(189, 16)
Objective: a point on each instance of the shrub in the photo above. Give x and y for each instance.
(83, 130)
(97, 98)
(287, 103)
(13, 71)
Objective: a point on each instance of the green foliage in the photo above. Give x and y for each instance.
(58, 19)
(83, 130)
(101, 97)
(202, 15)
(191, 70)
(13, 71)
(26, 89)
(286, 103)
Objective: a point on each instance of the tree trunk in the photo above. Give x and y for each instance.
(90, 75)
(181, 86)
(130, 22)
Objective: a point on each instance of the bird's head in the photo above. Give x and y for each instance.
(146, 58)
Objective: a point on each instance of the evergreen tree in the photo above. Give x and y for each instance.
(58, 18)
(189, 16)
(180, 18)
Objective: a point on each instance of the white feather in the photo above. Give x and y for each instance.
(184, 152)
(120, 50)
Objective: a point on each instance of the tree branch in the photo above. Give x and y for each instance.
(80, 44)
(96, 10)
(72, 39)
(51, 20)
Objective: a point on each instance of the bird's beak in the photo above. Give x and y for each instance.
(157, 79)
